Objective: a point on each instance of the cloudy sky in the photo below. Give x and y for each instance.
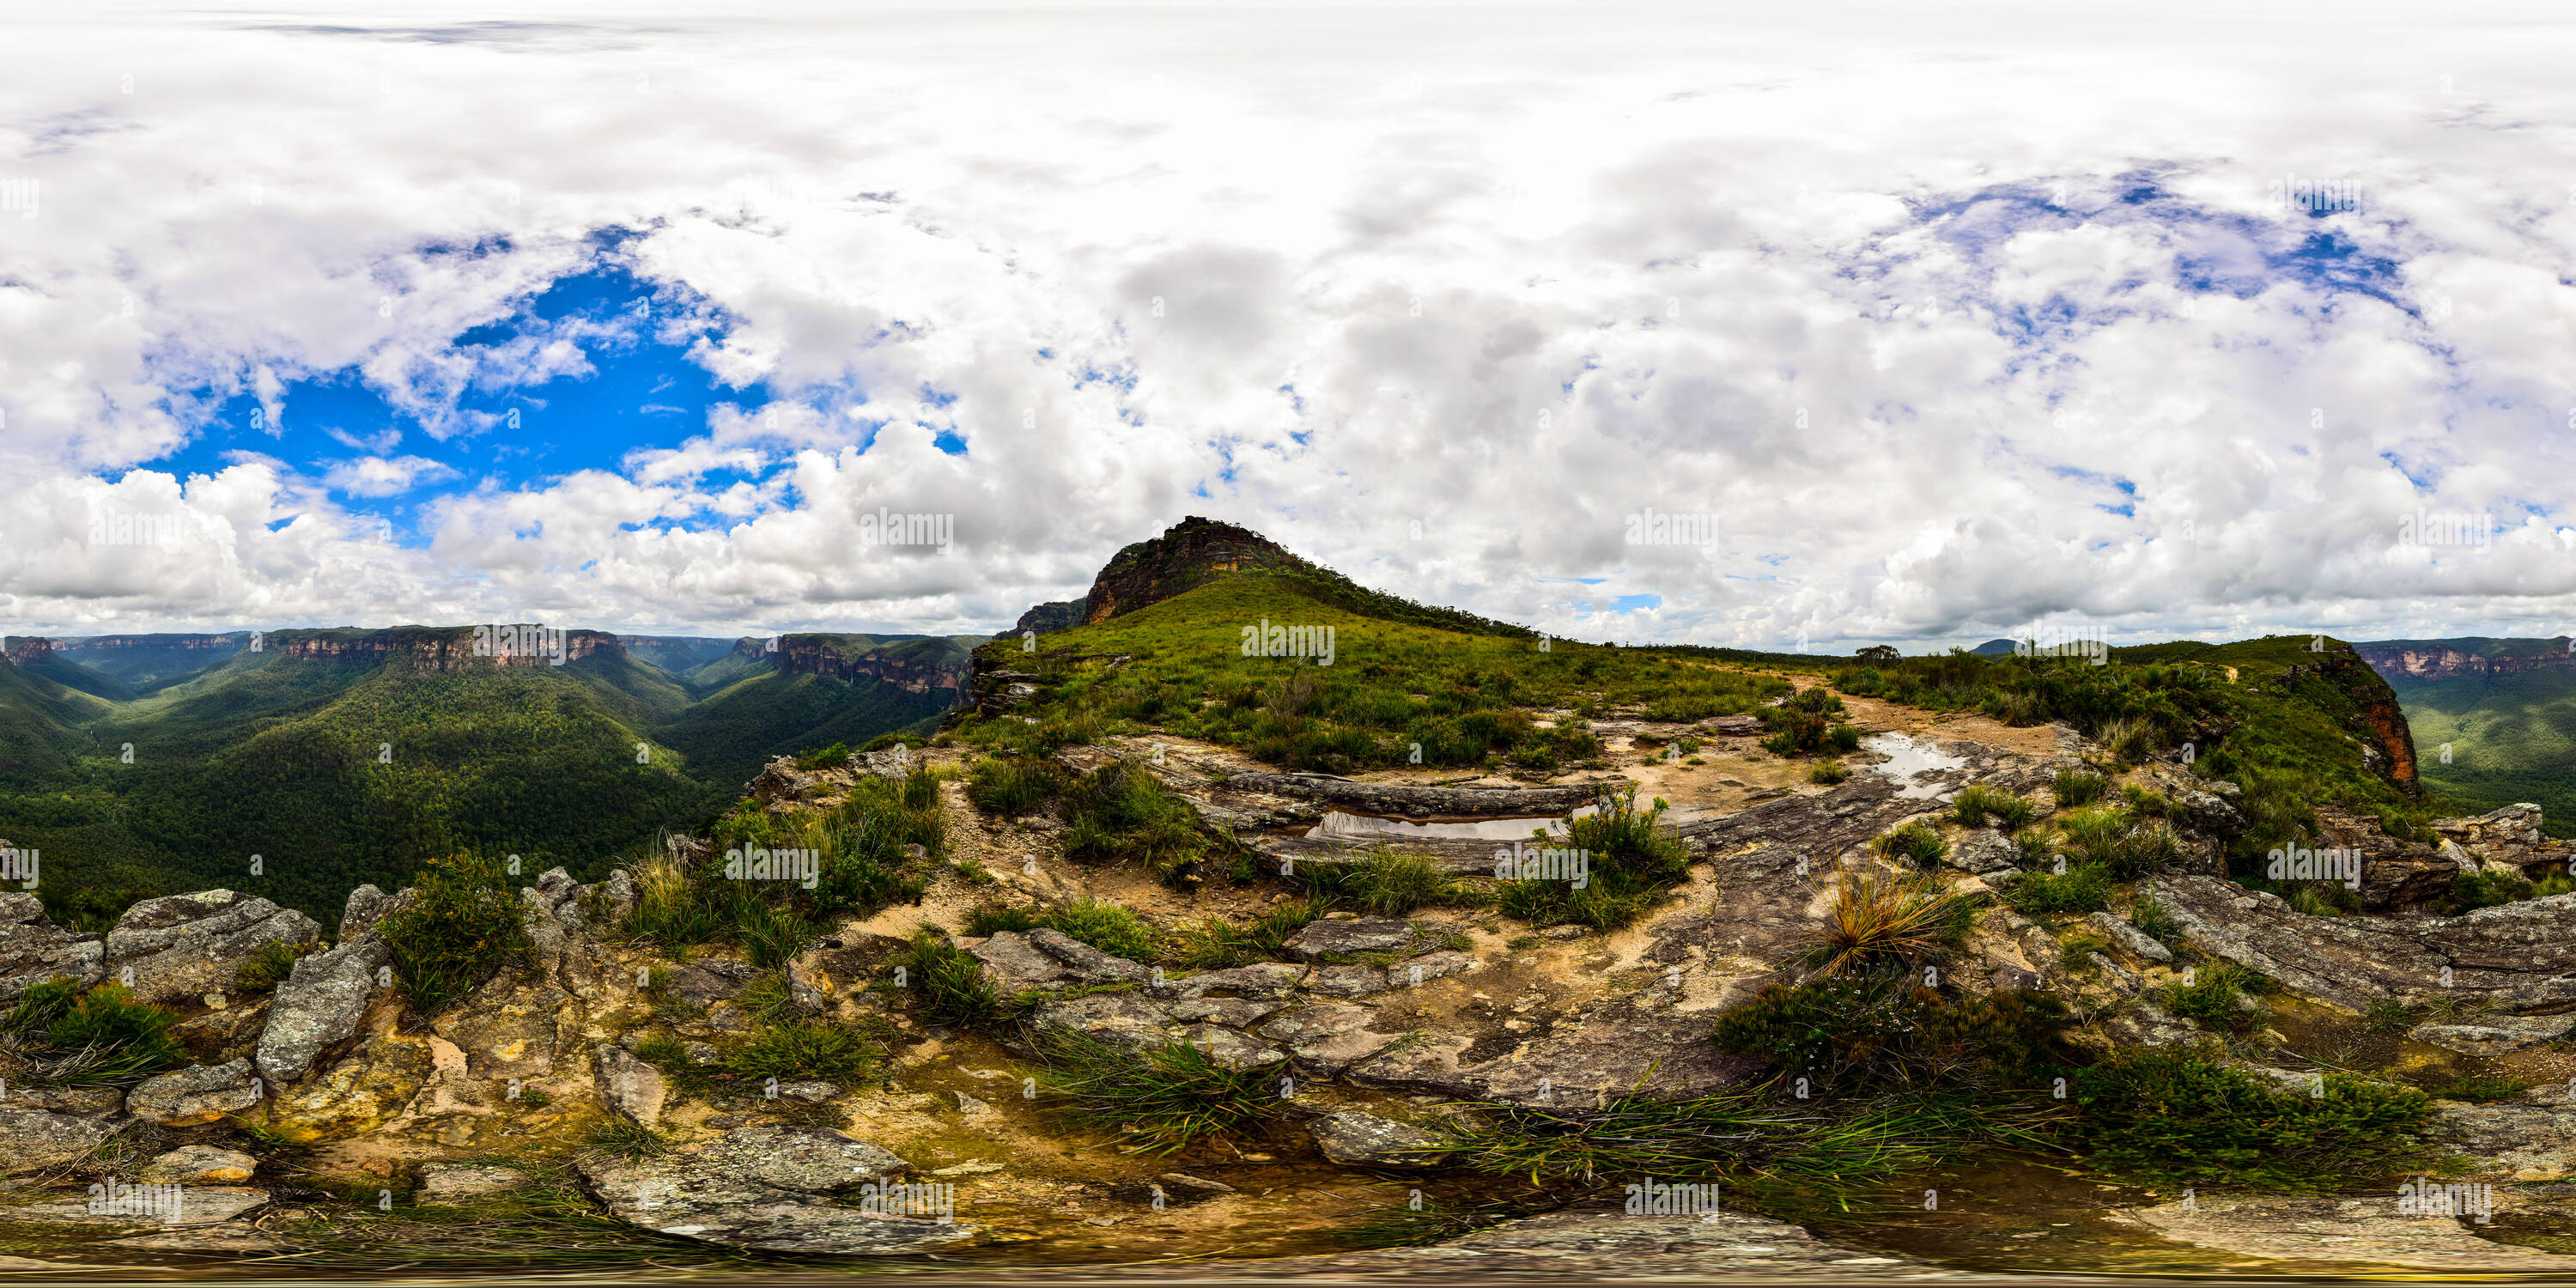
(1949, 320)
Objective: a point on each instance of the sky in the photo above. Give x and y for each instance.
(1916, 325)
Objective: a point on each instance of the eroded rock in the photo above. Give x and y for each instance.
(318, 1007)
(1356, 1139)
(763, 1188)
(189, 1097)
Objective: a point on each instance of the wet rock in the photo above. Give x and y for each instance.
(2497, 1036)
(969, 1105)
(34, 1139)
(762, 1188)
(1985, 850)
(450, 1182)
(1576, 1246)
(181, 947)
(1356, 1139)
(318, 1007)
(189, 1097)
(1175, 1189)
(1327, 1037)
(1012, 963)
(2364, 1231)
(1232, 1049)
(1414, 802)
(2524, 1142)
(1359, 935)
(2128, 938)
(629, 1087)
(33, 950)
(199, 1165)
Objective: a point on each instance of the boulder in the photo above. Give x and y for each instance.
(629, 1087)
(1357, 935)
(1347, 981)
(209, 1205)
(1233, 1012)
(1123, 1020)
(89, 1100)
(34, 1139)
(1985, 850)
(762, 1188)
(1087, 964)
(2128, 938)
(1268, 981)
(1356, 1139)
(181, 947)
(318, 1006)
(33, 950)
(449, 1182)
(194, 1096)
(1428, 967)
(2524, 1142)
(199, 1165)
(1231, 1049)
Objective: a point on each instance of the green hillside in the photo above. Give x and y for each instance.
(2510, 735)
(343, 770)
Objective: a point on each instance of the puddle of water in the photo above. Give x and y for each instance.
(1907, 759)
(1339, 826)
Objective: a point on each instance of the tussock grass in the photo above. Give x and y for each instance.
(1915, 843)
(267, 966)
(2173, 1116)
(1877, 923)
(1635, 862)
(2076, 787)
(1013, 785)
(1156, 1101)
(947, 982)
(463, 925)
(1978, 803)
(1122, 813)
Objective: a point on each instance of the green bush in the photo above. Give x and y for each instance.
(1828, 772)
(1013, 785)
(1390, 883)
(1112, 928)
(267, 966)
(1874, 1034)
(2171, 1117)
(1978, 802)
(1121, 813)
(2154, 920)
(1914, 843)
(2074, 787)
(947, 982)
(2478, 1091)
(804, 1050)
(93, 1036)
(1633, 862)
(1216, 944)
(2081, 888)
(462, 926)
(836, 756)
(2212, 998)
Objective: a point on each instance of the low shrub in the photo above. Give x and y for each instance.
(1914, 843)
(1828, 772)
(95, 1035)
(267, 966)
(2080, 888)
(1390, 883)
(1873, 1034)
(2074, 787)
(2213, 997)
(1111, 927)
(2177, 1116)
(462, 926)
(805, 1050)
(1013, 785)
(1979, 802)
(1122, 813)
(1634, 861)
(1216, 944)
(947, 982)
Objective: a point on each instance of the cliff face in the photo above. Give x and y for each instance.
(1064, 614)
(1189, 554)
(27, 650)
(821, 655)
(2438, 659)
(439, 649)
(2388, 744)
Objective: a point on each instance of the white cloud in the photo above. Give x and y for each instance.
(1875, 285)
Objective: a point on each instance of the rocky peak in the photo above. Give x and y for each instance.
(1189, 554)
